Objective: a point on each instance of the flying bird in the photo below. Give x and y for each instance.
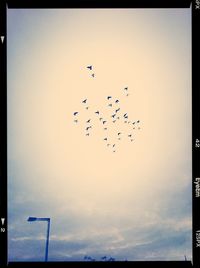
(114, 121)
(92, 75)
(109, 97)
(88, 121)
(87, 128)
(125, 115)
(133, 123)
(101, 118)
(126, 88)
(87, 108)
(116, 101)
(119, 133)
(117, 110)
(104, 122)
(113, 145)
(129, 135)
(84, 101)
(113, 115)
(97, 112)
(105, 139)
(110, 104)
(89, 67)
(75, 113)
(138, 121)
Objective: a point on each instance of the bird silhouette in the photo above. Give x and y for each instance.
(92, 75)
(119, 133)
(116, 101)
(87, 134)
(97, 112)
(110, 104)
(138, 121)
(109, 97)
(86, 108)
(84, 101)
(104, 122)
(88, 121)
(101, 118)
(129, 135)
(113, 151)
(105, 139)
(113, 145)
(133, 123)
(117, 110)
(89, 67)
(87, 128)
(126, 88)
(75, 113)
(114, 121)
(125, 115)
(113, 115)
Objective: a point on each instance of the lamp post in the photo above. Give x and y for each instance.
(30, 219)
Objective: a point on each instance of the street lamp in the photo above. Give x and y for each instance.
(30, 219)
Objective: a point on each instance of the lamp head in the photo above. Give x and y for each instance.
(32, 219)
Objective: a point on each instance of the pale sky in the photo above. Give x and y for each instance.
(135, 203)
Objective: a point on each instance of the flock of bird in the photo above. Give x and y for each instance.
(115, 116)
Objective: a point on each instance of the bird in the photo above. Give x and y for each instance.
(138, 121)
(110, 104)
(129, 122)
(105, 139)
(87, 134)
(116, 101)
(104, 122)
(114, 121)
(119, 133)
(113, 151)
(130, 135)
(125, 115)
(113, 145)
(97, 112)
(75, 113)
(133, 123)
(113, 115)
(84, 101)
(88, 121)
(109, 97)
(87, 128)
(117, 110)
(92, 75)
(86, 108)
(76, 121)
(101, 118)
(127, 95)
(126, 88)
(89, 67)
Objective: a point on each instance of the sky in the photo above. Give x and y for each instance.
(132, 204)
